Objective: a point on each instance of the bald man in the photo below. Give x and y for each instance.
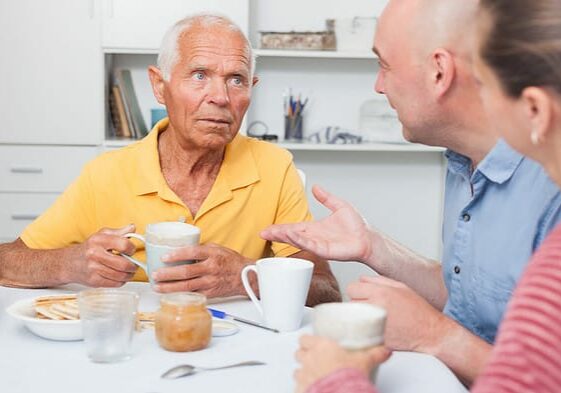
(498, 206)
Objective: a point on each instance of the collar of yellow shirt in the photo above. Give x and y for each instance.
(238, 170)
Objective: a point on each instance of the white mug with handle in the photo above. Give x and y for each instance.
(283, 288)
(162, 238)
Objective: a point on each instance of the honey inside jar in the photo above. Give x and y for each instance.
(183, 322)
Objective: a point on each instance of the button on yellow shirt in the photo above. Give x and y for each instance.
(257, 186)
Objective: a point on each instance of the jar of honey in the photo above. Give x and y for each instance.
(183, 322)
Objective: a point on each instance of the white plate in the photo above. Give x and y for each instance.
(24, 310)
(221, 328)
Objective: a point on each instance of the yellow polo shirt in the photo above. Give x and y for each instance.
(257, 186)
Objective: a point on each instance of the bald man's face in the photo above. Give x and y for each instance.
(401, 77)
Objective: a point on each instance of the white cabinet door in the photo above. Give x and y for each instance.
(141, 25)
(41, 168)
(52, 72)
(18, 210)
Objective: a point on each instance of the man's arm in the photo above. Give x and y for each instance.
(415, 325)
(324, 287)
(91, 263)
(462, 351)
(23, 267)
(345, 236)
(393, 260)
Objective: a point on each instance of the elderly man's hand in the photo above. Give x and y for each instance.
(412, 324)
(343, 236)
(96, 265)
(321, 356)
(217, 272)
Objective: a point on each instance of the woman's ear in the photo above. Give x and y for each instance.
(539, 107)
(157, 82)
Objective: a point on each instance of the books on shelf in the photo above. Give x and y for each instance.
(118, 114)
(125, 110)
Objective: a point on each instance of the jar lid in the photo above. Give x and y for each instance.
(183, 299)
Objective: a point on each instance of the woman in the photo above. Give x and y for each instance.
(518, 62)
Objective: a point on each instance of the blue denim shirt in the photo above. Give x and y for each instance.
(494, 219)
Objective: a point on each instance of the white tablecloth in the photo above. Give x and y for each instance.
(32, 364)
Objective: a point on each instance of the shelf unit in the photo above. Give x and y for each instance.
(137, 59)
(338, 84)
(313, 54)
(350, 147)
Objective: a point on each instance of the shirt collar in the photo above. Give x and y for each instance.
(148, 178)
(498, 165)
(238, 168)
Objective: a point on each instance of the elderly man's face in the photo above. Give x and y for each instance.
(209, 88)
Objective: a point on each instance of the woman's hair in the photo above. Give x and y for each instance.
(523, 43)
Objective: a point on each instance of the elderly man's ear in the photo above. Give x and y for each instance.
(157, 82)
(255, 81)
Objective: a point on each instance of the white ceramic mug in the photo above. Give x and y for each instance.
(283, 289)
(355, 326)
(162, 238)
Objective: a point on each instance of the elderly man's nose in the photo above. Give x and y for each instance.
(218, 94)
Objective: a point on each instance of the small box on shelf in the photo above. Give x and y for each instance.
(320, 40)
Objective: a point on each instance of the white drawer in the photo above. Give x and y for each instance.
(41, 168)
(17, 210)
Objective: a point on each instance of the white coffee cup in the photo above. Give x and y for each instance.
(283, 289)
(355, 326)
(162, 238)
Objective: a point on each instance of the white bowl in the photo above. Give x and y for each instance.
(24, 310)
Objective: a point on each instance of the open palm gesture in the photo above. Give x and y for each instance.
(343, 236)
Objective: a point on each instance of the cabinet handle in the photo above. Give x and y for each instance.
(26, 169)
(24, 217)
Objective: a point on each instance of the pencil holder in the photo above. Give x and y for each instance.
(293, 128)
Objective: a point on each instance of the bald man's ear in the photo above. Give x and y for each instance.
(255, 81)
(443, 71)
(157, 82)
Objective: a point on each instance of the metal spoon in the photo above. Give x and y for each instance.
(184, 370)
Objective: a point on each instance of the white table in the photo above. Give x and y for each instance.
(32, 364)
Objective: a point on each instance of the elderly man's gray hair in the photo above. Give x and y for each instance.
(169, 49)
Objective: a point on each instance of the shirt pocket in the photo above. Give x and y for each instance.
(492, 292)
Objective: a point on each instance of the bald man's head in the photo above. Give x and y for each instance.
(424, 49)
(430, 24)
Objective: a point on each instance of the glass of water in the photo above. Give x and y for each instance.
(108, 319)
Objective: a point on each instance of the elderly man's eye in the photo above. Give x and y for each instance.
(237, 81)
(198, 76)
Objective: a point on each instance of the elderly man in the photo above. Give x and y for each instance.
(193, 167)
(493, 216)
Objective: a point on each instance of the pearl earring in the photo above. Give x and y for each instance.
(535, 138)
